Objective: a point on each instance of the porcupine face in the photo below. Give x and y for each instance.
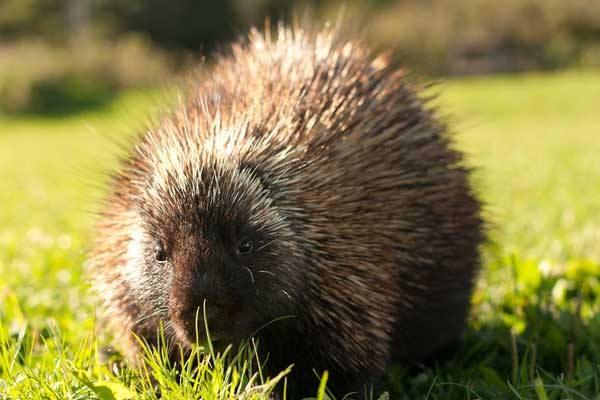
(210, 234)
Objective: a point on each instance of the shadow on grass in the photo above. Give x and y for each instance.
(534, 334)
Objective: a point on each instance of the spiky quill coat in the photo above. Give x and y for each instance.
(368, 226)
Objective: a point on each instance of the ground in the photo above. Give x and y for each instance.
(534, 330)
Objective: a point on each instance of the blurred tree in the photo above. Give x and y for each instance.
(193, 24)
(432, 36)
(182, 23)
(78, 16)
(189, 24)
(20, 18)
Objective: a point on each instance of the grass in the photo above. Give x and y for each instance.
(534, 331)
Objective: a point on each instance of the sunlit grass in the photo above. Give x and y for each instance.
(534, 330)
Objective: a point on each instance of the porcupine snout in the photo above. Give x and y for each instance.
(200, 295)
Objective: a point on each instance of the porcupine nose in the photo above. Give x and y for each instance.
(201, 296)
(204, 307)
(194, 304)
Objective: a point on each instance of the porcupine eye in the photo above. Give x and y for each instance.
(245, 247)
(160, 255)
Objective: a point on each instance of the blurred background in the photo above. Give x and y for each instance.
(59, 56)
(520, 89)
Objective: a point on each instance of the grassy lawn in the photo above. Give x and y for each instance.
(534, 330)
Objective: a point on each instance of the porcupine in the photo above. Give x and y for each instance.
(303, 192)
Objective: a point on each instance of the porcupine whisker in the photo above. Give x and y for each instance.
(251, 274)
(170, 335)
(156, 313)
(172, 338)
(272, 322)
(266, 244)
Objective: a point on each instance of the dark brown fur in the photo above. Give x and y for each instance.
(364, 229)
